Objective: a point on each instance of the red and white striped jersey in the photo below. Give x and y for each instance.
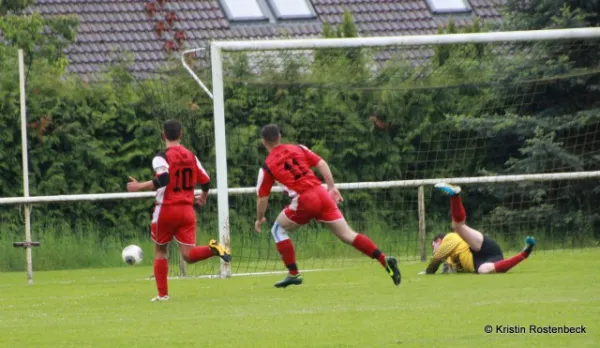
(290, 166)
(185, 172)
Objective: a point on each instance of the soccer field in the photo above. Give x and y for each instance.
(353, 307)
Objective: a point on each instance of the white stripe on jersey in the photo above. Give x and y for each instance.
(261, 178)
(200, 166)
(290, 193)
(156, 213)
(160, 165)
(160, 195)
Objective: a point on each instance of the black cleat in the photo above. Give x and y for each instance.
(393, 270)
(289, 280)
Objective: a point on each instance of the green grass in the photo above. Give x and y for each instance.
(356, 307)
(88, 245)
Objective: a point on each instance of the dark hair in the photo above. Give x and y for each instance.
(172, 130)
(438, 236)
(270, 133)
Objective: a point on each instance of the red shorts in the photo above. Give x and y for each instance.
(313, 204)
(177, 221)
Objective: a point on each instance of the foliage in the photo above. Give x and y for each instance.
(526, 109)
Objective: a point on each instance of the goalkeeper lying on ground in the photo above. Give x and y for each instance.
(468, 250)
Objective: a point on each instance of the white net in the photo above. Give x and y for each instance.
(421, 112)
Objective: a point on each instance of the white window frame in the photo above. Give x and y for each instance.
(279, 16)
(434, 10)
(232, 18)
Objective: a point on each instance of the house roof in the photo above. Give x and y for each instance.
(110, 27)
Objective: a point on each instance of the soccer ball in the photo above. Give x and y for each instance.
(132, 255)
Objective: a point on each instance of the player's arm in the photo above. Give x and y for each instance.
(264, 185)
(444, 250)
(202, 175)
(203, 180)
(315, 160)
(161, 168)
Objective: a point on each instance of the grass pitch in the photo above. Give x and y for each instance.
(353, 307)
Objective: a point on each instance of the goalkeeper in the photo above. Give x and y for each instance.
(468, 250)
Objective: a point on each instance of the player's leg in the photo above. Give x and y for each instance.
(333, 218)
(473, 237)
(186, 238)
(281, 228)
(161, 237)
(364, 244)
(161, 270)
(503, 266)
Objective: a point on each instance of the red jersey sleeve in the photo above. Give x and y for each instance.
(311, 157)
(201, 174)
(265, 182)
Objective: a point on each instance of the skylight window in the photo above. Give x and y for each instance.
(243, 10)
(448, 6)
(292, 9)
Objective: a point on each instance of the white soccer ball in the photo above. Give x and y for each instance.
(132, 255)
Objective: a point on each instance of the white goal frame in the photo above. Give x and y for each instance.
(216, 50)
(216, 53)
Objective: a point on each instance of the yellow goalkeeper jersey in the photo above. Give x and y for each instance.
(454, 251)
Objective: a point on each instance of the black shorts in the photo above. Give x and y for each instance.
(490, 252)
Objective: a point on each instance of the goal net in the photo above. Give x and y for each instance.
(512, 117)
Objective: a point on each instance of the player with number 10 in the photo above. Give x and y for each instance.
(177, 172)
(290, 165)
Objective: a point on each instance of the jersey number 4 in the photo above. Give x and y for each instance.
(183, 180)
(295, 169)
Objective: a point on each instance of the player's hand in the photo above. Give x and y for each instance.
(202, 198)
(133, 185)
(257, 224)
(336, 195)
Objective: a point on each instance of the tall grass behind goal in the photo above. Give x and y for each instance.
(513, 117)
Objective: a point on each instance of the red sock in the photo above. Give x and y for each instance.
(288, 255)
(200, 253)
(457, 210)
(365, 245)
(161, 268)
(505, 265)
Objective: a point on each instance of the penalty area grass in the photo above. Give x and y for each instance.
(354, 307)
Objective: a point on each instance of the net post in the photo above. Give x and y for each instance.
(422, 228)
(182, 266)
(221, 152)
(25, 161)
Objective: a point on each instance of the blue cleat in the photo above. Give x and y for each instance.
(448, 189)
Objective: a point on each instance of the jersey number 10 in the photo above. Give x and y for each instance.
(183, 180)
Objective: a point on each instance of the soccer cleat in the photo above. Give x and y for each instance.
(530, 243)
(290, 280)
(393, 270)
(220, 250)
(448, 189)
(160, 298)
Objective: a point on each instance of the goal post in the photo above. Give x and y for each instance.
(219, 48)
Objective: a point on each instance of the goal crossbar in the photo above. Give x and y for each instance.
(341, 186)
(413, 40)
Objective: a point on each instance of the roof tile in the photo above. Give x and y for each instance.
(111, 26)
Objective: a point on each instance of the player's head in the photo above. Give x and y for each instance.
(271, 135)
(437, 240)
(172, 130)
